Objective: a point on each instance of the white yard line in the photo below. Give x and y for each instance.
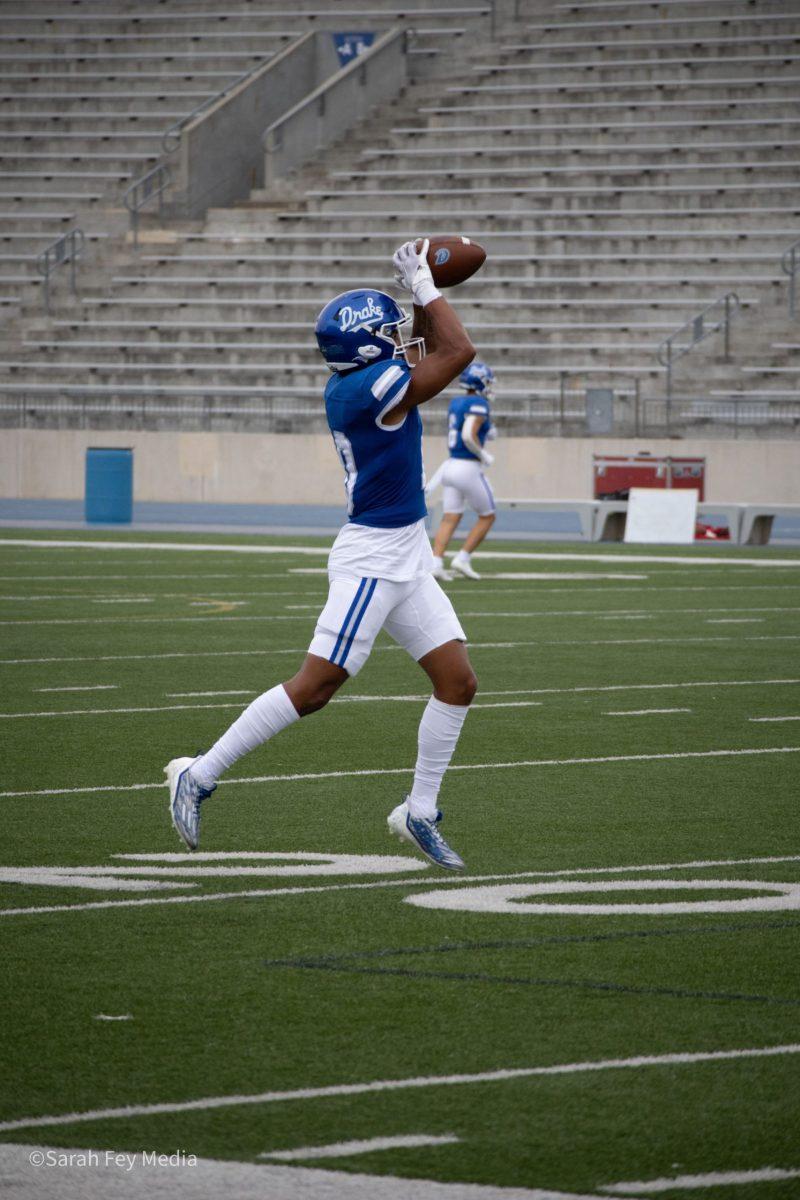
(482, 615)
(425, 881)
(628, 617)
(715, 560)
(510, 704)
(770, 719)
(109, 1017)
(709, 1179)
(231, 692)
(378, 649)
(373, 1087)
(107, 712)
(568, 575)
(406, 1141)
(627, 612)
(644, 712)
(373, 771)
(735, 621)
(91, 687)
(194, 547)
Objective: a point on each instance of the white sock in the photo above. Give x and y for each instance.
(438, 562)
(463, 556)
(438, 733)
(261, 720)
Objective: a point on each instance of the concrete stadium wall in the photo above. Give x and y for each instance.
(242, 468)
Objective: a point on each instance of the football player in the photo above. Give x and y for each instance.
(463, 479)
(380, 564)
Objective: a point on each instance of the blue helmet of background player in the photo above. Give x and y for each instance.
(362, 327)
(477, 377)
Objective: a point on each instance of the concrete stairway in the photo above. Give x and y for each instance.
(88, 89)
(625, 164)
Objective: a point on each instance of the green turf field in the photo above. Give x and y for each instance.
(637, 729)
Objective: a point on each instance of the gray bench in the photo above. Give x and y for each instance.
(757, 520)
(584, 510)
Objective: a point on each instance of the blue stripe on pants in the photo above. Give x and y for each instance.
(357, 621)
(346, 621)
(489, 492)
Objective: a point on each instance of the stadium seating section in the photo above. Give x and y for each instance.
(626, 163)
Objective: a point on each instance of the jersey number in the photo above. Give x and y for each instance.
(452, 432)
(345, 449)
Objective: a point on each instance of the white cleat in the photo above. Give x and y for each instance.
(441, 573)
(424, 835)
(464, 568)
(185, 798)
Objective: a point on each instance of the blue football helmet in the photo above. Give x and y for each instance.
(355, 330)
(477, 377)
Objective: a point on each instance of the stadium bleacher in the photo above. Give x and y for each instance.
(625, 164)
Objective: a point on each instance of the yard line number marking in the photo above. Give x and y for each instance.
(707, 1180)
(34, 875)
(519, 899)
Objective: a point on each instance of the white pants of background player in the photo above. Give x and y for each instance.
(463, 483)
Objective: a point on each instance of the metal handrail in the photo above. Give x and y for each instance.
(701, 326)
(171, 138)
(64, 250)
(790, 265)
(148, 187)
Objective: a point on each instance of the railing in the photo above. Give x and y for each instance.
(710, 320)
(171, 138)
(142, 191)
(64, 251)
(338, 103)
(297, 409)
(790, 265)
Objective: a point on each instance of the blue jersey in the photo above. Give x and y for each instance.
(384, 477)
(461, 408)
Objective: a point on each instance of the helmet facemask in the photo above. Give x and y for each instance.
(396, 331)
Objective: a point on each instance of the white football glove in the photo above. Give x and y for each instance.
(486, 458)
(412, 272)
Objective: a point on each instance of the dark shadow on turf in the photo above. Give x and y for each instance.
(348, 963)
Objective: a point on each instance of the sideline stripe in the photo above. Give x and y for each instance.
(270, 893)
(710, 1179)
(368, 1146)
(498, 766)
(539, 556)
(684, 1058)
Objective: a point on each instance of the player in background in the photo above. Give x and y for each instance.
(469, 425)
(380, 564)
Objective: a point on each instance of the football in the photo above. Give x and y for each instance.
(453, 259)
